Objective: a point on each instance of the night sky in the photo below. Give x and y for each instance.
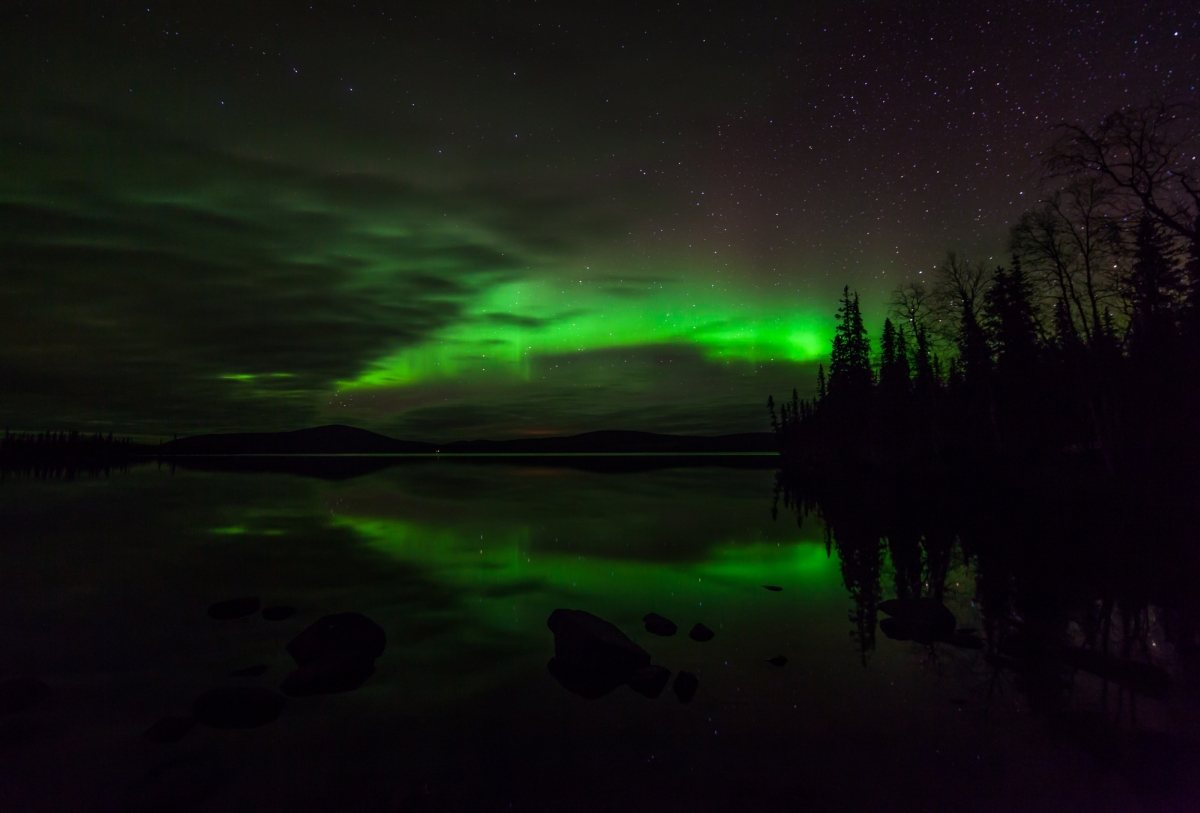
(447, 221)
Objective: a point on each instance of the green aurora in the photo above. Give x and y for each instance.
(474, 220)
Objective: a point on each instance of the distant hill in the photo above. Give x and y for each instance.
(338, 439)
(333, 439)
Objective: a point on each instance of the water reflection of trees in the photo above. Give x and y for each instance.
(1085, 600)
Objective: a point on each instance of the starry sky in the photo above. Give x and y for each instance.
(500, 219)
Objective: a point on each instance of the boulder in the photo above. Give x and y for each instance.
(170, 729)
(280, 612)
(233, 608)
(772, 588)
(650, 681)
(701, 633)
(685, 686)
(923, 620)
(238, 706)
(965, 640)
(329, 674)
(658, 625)
(335, 634)
(587, 684)
(21, 694)
(584, 642)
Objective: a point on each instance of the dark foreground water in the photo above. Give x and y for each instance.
(105, 583)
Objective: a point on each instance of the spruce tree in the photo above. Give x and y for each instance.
(850, 365)
(1154, 286)
(1011, 322)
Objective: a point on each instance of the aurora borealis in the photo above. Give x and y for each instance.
(496, 219)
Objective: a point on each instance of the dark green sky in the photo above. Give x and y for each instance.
(503, 218)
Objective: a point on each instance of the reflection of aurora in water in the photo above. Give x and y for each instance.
(507, 567)
(527, 540)
(105, 586)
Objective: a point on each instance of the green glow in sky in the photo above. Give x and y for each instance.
(521, 321)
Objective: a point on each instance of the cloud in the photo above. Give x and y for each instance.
(665, 388)
(133, 293)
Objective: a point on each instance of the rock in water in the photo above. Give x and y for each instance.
(250, 671)
(588, 685)
(591, 656)
(233, 608)
(650, 681)
(585, 642)
(772, 588)
(778, 660)
(965, 640)
(21, 694)
(701, 633)
(335, 634)
(329, 674)
(278, 613)
(685, 686)
(923, 620)
(170, 729)
(238, 706)
(658, 625)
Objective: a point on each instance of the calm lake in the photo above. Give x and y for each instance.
(105, 584)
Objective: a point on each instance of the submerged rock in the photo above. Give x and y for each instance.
(701, 633)
(685, 686)
(658, 625)
(329, 674)
(778, 660)
(250, 671)
(585, 641)
(965, 640)
(21, 694)
(592, 656)
(234, 608)
(772, 588)
(587, 684)
(335, 634)
(650, 681)
(238, 706)
(170, 729)
(278, 613)
(923, 620)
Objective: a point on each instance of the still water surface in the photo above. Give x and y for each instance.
(105, 584)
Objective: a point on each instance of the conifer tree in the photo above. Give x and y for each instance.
(894, 371)
(1011, 322)
(850, 364)
(1154, 287)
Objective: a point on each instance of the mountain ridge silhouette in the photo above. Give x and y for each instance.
(341, 439)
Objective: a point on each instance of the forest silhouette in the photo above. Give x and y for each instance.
(1079, 358)
(1023, 445)
(54, 455)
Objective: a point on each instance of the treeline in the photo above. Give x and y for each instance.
(1082, 352)
(58, 454)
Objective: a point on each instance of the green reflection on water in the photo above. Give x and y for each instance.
(503, 568)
